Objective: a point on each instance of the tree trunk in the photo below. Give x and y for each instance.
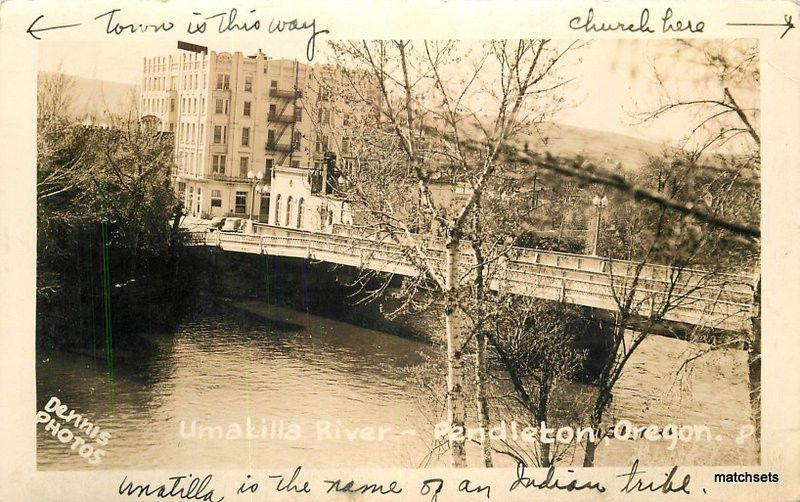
(480, 395)
(604, 387)
(754, 366)
(541, 417)
(602, 401)
(456, 408)
(591, 446)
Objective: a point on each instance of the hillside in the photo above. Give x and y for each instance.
(597, 146)
(94, 99)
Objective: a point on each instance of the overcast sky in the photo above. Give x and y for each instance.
(612, 78)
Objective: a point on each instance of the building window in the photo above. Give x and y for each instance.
(288, 211)
(271, 137)
(273, 84)
(241, 202)
(272, 111)
(268, 163)
(345, 146)
(244, 166)
(218, 164)
(298, 114)
(172, 105)
(218, 106)
(216, 198)
(296, 163)
(300, 209)
(248, 84)
(223, 82)
(278, 210)
(217, 134)
(322, 144)
(245, 136)
(246, 110)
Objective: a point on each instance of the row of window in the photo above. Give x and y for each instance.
(190, 82)
(224, 82)
(186, 133)
(221, 136)
(221, 108)
(159, 63)
(188, 105)
(186, 162)
(239, 201)
(292, 215)
(218, 163)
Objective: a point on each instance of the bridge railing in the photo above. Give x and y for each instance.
(693, 296)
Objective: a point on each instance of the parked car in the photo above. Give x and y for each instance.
(232, 225)
(216, 223)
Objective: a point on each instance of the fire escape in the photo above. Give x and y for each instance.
(285, 148)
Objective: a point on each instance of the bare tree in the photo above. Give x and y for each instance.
(534, 343)
(725, 133)
(412, 171)
(660, 276)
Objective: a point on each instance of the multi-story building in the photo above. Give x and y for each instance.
(235, 118)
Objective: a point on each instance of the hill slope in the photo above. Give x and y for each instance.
(94, 99)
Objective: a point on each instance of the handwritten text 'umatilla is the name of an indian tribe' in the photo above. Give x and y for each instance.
(632, 480)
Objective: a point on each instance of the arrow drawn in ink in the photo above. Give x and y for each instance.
(33, 32)
(787, 23)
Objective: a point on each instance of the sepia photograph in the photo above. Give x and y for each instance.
(524, 253)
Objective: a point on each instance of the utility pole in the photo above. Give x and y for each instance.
(599, 203)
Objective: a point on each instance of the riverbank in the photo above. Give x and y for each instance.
(324, 326)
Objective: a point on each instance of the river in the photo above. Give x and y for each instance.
(296, 385)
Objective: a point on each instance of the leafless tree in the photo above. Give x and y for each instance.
(659, 265)
(420, 103)
(725, 137)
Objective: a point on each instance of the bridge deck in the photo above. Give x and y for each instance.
(721, 301)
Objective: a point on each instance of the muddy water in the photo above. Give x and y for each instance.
(228, 391)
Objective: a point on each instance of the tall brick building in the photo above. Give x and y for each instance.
(232, 115)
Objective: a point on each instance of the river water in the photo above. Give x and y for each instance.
(294, 387)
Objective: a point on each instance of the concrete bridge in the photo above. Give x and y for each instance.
(695, 297)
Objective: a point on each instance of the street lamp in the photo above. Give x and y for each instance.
(599, 203)
(255, 179)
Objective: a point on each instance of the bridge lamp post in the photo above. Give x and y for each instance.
(255, 179)
(599, 203)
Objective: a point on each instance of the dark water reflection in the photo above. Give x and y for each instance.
(218, 370)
